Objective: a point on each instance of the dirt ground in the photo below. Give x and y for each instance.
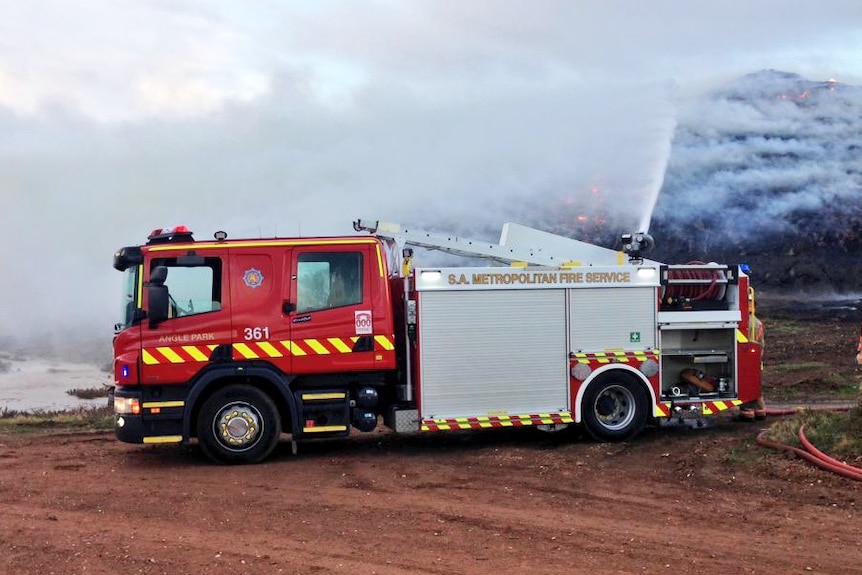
(673, 500)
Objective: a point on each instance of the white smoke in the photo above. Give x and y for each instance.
(771, 154)
(296, 118)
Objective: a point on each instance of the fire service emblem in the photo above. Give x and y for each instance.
(252, 277)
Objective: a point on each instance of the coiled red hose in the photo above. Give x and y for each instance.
(695, 291)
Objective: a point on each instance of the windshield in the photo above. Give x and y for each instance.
(130, 300)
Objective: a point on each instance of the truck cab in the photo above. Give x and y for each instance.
(233, 342)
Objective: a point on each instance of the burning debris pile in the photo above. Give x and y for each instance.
(765, 171)
(768, 172)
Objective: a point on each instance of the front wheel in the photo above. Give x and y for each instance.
(238, 424)
(615, 407)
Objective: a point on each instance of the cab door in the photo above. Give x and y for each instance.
(260, 332)
(198, 324)
(331, 322)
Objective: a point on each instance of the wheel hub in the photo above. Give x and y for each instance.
(613, 407)
(605, 406)
(238, 425)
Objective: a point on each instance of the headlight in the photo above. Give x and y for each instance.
(127, 405)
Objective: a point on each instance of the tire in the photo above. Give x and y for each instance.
(238, 424)
(615, 407)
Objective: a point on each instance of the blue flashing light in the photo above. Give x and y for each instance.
(125, 371)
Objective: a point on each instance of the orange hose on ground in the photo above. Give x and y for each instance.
(811, 453)
(794, 410)
(824, 457)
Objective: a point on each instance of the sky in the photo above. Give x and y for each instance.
(295, 118)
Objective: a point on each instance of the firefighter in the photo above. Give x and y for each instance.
(753, 410)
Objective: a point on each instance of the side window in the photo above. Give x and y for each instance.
(326, 280)
(193, 289)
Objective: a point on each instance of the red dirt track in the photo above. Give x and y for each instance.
(673, 500)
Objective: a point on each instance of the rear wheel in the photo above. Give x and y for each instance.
(238, 424)
(615, 407)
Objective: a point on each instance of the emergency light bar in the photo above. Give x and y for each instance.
(175, 234)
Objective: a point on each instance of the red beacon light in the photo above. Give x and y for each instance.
(175, 234)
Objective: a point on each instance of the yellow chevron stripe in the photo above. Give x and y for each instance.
(269, 349)
(384, 342)
(339, 344)
(170, 354)
(740, 337)
(292, 348)
(257, 350)
(316, 346)
(245, 351)
(723, 405)
(193, 351)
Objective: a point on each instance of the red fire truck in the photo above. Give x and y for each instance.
(233, 343)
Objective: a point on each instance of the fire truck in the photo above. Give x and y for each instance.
(235, 344)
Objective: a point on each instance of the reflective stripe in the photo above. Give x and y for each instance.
(292, 348)
(150, 404)
(164, 439)
(324, 428)
(320, 396)
(484, 422)
(263, 349)
(196, 354)
(245, 351)
(316, 346)
(384, 342)
(269, 349)
(148, 358)
(339, 345)
(170, 355)
(265, 244)
(713, 407)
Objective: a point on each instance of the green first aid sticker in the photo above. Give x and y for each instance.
(634, 336)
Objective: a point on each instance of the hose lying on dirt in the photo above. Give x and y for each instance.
(795, 410)
(810, 452)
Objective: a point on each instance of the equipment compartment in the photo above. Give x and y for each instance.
(697, 363)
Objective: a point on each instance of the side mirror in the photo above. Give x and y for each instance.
(157, 295)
